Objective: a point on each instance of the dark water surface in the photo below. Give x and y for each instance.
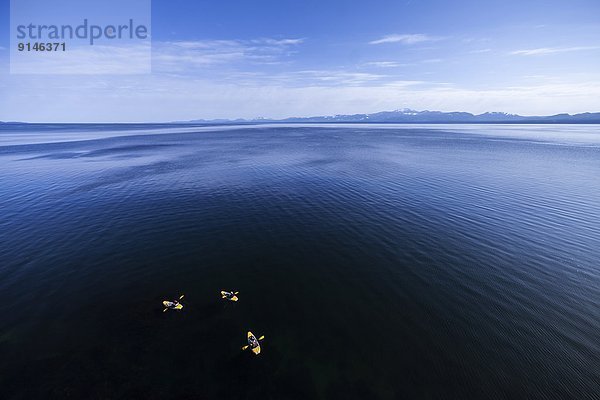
(381, 262)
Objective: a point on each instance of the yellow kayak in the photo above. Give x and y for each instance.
(255, 350)
(224, 296)
(169, 304)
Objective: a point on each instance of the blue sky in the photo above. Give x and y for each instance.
(229, 59)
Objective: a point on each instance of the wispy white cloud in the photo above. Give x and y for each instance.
(181, 55)
(202, 44)
(332, 77)
(405, 84)
(326, 78)
(385, 64)
(552, 50)
(480, 51)
(279, 42)
(394, 64)
(411, 38)
(475, 39)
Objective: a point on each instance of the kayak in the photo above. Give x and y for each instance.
(169, 304)
(234, 298)
(255, 350)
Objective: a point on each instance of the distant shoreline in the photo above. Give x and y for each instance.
(403, 116)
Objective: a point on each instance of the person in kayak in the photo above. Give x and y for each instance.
(173, 304)
(252, 342)
(229, 295)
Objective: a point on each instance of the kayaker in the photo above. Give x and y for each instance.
(172, 304)
(231, 296)
(252, 342)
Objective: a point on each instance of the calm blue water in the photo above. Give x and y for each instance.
(380, 261)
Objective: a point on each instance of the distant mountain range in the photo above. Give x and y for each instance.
(430, 117)
(408, 116)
